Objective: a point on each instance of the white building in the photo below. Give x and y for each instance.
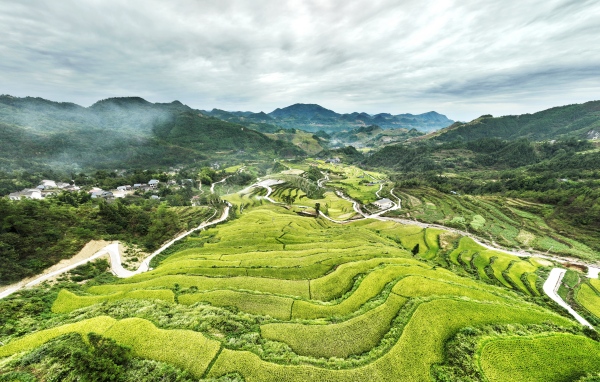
(33, 193)
(48, 183)
(384, 203)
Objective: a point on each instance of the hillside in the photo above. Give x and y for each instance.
(256, 121)
(120, 133)
(580, 121)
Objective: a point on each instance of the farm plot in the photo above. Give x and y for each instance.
(183, 348)
(419, 346)
(589, 299)
(330, 204)
(354, 336)
(509, 222)
(558, 357)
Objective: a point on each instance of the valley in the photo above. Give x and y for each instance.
(291, 191)
(310, 277)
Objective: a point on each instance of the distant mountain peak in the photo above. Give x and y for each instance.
(303, 111)
(121, 101)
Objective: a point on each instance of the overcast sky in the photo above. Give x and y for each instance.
(461, 58)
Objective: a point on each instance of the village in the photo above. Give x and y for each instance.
(50, 188)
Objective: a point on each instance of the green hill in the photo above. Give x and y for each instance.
(581, 121)
(121, 133)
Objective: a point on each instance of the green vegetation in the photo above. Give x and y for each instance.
(571, 121)
(189, 350)
(341, 340)
(589, 298)
(558, 357)
(409, 359)
(513, 223)
(121, 132)
(67, 301)
(71, 358)
(37, 234)
(273, 295)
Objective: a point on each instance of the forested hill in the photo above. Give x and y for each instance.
(120, 133)
(580, 121)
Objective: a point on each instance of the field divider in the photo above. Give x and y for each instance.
(212, 361)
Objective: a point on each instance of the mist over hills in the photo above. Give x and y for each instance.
(313, 117)
(120, 132)
(134, 133)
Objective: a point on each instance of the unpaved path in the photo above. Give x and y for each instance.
(267, 183)
(212, 185)
(97, 249)
(115, 255)
(321, 182)
(91, 251)
(551, 287)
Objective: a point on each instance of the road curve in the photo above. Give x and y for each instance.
(551, 287)
(115, 258)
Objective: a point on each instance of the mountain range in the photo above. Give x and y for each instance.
(131, 132)
(313, 118)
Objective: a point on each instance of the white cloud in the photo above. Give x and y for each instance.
(461, 58)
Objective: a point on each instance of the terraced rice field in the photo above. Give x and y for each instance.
(512, 223)
(357, 183)
(589, 298)
(558, 357)
(331, 204)
(312, 301)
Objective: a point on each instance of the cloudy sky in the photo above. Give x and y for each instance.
(462, 58)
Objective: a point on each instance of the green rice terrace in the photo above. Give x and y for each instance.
(511, 223)
(278, 294)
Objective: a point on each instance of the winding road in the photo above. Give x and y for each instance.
(212, 185)
(115, 258)
(551, 288)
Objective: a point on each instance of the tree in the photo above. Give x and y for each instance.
(317, 209)
(415, 250)
(103, 361)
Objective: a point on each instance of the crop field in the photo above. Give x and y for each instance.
(189, 350)
(359, 184)
(558, 357)
(512, 223)
(331, 204)
(275, 296)
(589, 299)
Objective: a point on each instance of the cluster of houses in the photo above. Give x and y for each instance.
(46, 188)
(50, 187)
(122, 191)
